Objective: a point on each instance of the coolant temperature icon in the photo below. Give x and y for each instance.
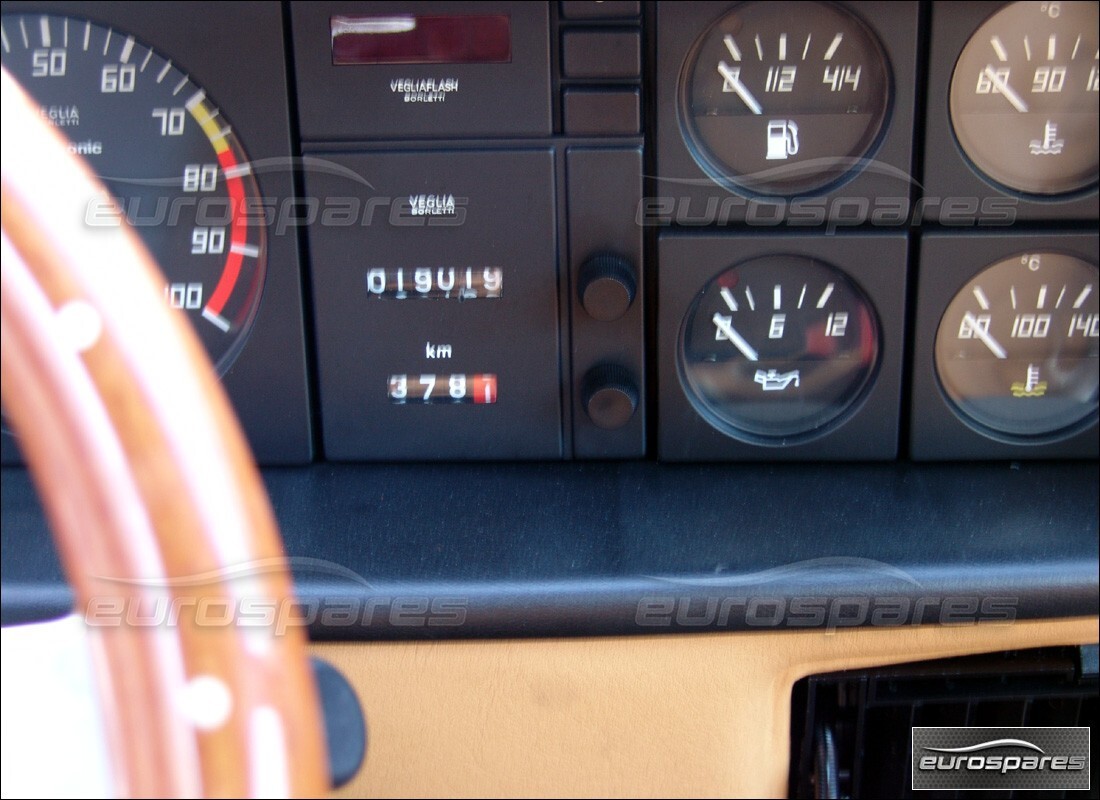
(1032, 387)
(1050, 144)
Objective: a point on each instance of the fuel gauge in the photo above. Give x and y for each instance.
(784, 98)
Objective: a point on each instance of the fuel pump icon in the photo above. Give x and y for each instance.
(782, 139)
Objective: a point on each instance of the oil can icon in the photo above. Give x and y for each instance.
(775, 381)
(782, 139)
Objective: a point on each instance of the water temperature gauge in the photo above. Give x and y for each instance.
(1018, 349)
(1024, 97)
(778, 349)
(784, 98)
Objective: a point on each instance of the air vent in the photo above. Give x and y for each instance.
(851, 730)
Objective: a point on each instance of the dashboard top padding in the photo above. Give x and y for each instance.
(413, 551)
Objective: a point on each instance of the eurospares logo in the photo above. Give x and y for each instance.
(1001, 758)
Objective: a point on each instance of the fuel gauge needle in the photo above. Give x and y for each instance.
(737, 339)
(993, 345)
(733, 78)
(1007, 91)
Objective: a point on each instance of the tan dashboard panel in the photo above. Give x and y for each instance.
(653, 716)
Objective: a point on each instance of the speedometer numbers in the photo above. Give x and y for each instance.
(166, 153)
(1024, 97)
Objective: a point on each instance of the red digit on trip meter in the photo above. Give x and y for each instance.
(485, 388)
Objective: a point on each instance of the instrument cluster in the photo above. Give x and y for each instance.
(540, 231)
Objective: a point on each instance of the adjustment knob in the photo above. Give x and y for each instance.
(606, 286)
(609, 396)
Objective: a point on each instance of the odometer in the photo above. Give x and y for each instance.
(166, 153)
(431, 389)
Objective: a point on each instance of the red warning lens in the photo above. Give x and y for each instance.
(416, 39)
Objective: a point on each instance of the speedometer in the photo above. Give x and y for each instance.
(166, 153)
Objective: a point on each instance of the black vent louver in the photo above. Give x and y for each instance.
(850, 731)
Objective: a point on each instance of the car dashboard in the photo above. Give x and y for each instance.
(686, 349)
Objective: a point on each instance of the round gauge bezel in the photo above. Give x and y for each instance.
(849, 408)
(996, 434)
(980, 171)
(720, 173)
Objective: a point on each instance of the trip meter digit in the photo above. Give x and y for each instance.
(784, 98)
(1024, 97)
(166, 153)
(778, 349)
(1018, 349)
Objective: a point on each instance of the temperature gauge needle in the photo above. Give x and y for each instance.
(737, 339)
(733, 78)
(993, 345)
(1006, 90)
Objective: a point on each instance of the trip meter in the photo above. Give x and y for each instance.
(165, 152)
(778, 348)
(784, 98)
(1024, 97)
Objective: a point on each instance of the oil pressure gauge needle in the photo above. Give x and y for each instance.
(1002, 86)
(738, 340)
(993, 345)
(733, 79)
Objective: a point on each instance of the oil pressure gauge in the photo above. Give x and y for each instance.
(784, 98)
(778, 349)
(1024, 97)
(1018, 349)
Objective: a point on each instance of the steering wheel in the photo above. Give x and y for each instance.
(151, 492)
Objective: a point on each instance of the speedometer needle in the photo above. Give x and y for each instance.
(737, 339)
(733, 78)
(1006, 90)
(993, 345)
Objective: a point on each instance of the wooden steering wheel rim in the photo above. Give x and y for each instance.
(152, 495)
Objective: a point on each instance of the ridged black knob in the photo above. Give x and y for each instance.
(606, 286)
(610, 396)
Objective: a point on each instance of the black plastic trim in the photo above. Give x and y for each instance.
(450, 551)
